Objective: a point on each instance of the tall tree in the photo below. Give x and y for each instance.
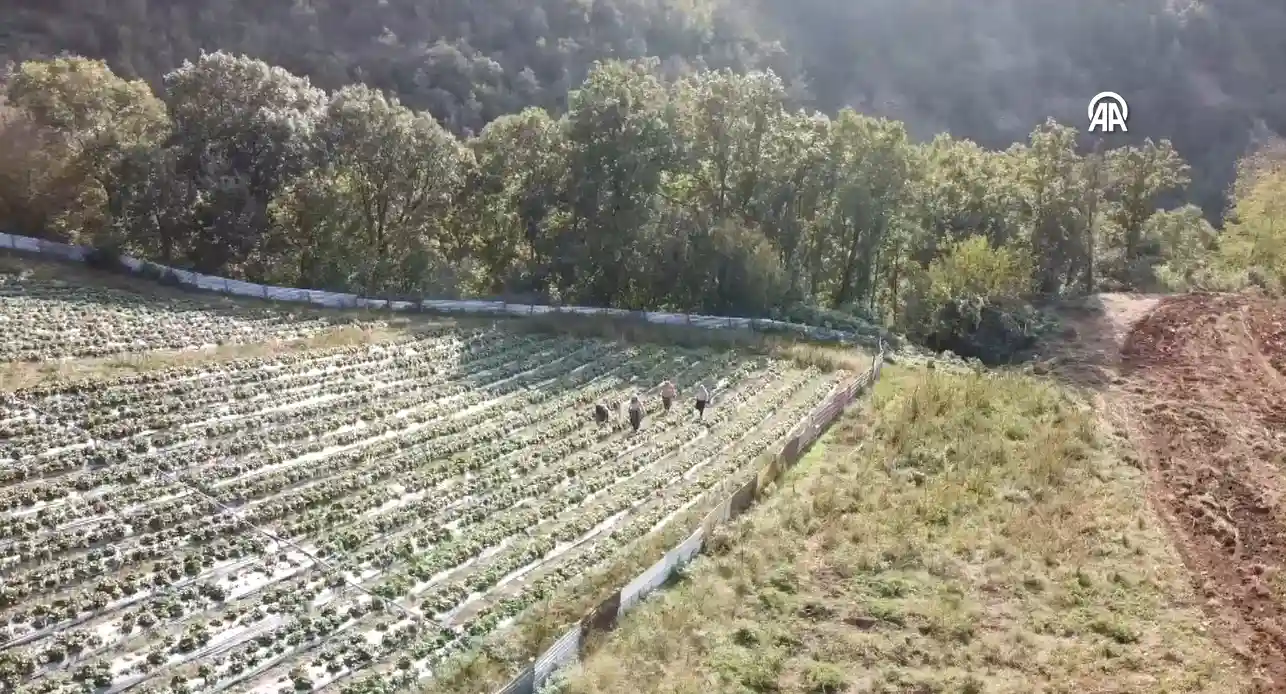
(515, 194)
(1052, 197)
(86, 120)
(620, 147)
(242, 131)
(1253, 243)
(875, 158)
(725, 121)
(398, 172)
(1140, 175)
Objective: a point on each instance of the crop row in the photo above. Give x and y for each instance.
(429, 475)
(52, 319)
(174, 569)
(158, 528)
(644, 515)
(278, 434)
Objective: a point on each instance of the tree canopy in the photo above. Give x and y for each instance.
(1202, 75)
(709, 192)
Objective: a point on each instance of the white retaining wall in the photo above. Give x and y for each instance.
(232, 287)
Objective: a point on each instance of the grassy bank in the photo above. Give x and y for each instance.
(969, 534)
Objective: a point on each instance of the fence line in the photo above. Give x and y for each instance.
(572, 646)
(223, 285)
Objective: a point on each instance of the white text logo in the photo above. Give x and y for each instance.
(1107, 113)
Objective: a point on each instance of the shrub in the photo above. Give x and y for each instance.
(105, 258)
(970, 300)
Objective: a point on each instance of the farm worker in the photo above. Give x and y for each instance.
(703, 398)
(668, 394)
(601, 413)
(636, 412)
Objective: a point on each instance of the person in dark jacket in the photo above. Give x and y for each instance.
(601, 413)
(636, 412)
(703, 399)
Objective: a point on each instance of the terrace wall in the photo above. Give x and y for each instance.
(568, 649)
(223, 285)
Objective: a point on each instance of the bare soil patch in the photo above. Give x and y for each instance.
(1196, 383)
(1094, 329)
(1201, 380)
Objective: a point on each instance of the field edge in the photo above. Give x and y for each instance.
(763, 614)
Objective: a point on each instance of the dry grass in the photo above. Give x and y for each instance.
(799, 350)
(979, 535)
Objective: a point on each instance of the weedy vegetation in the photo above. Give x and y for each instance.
(969, 533)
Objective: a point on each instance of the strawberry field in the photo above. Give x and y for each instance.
(347, 516)
(44, 318)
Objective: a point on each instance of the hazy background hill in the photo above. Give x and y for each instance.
(1203, 75)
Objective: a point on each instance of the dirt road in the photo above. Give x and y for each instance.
(1197, 380)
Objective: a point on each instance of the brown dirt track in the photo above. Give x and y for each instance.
(1199, 385)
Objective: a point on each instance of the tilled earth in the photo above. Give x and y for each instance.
(1200, 387)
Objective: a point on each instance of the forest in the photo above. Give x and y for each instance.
(702, 193)
(911, 163)
(1203, 75)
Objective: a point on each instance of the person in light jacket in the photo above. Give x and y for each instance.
(636, 412)
(703, 399)
(668, 394)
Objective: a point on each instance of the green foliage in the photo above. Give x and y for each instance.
(970, 300)
(520, 168)
(747, 271)
(387, 182)
(243, 131)
(1195, 73)
(969, 190)
(1136, 178)
(84, 101)
(811, 314)
(1184, 241)
(973, 268)
(466, 63)
(703, 193)
(73, 124)
(991, 71)
(1252, 248)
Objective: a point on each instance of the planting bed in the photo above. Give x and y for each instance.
(45, 318)
(318, 519)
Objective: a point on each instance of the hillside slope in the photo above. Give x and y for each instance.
(1196, 382)
(209, 495)
(966, 533)
(995, 534)
(1199, 74)
(467, 63)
